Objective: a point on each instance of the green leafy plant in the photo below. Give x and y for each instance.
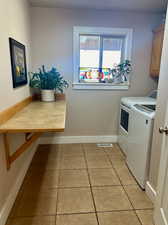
(122, 70)
(48, 80)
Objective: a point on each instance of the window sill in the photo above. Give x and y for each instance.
(84, 86)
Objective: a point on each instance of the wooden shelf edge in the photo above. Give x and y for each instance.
(11, 111)
(14, 131)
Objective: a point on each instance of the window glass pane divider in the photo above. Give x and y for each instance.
(123, 49)
(101, 54)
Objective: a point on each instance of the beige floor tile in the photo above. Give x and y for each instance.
(98, 161)
(41, 180)
(111, 198)
(73, 178)
(93, 149)
(49, 147)
(118, 218)
(145, 216)
(37, 203)
(73, 162)
(77, 219)
(116, 159)
(72, 149)
(124, 173)
(102, 177)
(138, 197)
(46, 153)
(53, 164)
(45, 220)
(35, 169)
(115, 150)
(47, 164)
(117, 147)
(43, 157)
(75, 200)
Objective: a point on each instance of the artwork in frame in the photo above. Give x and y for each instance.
(18, 63)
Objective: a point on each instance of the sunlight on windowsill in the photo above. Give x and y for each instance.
(100, 86)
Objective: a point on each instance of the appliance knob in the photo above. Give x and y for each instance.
(163, 130)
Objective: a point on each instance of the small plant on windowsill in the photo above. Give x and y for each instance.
(48, 82)
(121, 72)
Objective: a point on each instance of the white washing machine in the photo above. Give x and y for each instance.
(139, 141)
(125, 117)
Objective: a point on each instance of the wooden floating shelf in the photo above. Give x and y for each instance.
(32, 118)
(37, 117)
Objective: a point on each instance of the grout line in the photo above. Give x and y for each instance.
(125, 210)
(32, 216)
(58, 190)
(132, 205)
(55, 219)
(138, 217)
(94, 203)
(146, 209)
(57, 200)
(84, 187)
(97, 186)
(78, 213)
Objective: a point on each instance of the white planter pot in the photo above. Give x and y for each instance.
(48, 95)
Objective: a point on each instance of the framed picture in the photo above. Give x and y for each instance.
(18, 63)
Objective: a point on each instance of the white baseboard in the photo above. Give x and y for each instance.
(151, 193)
(4, 213)
(77, 139)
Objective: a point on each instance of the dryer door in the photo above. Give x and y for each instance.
(124, 127)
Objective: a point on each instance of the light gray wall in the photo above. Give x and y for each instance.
(15, 23)
(91, 112)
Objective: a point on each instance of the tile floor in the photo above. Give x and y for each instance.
(80, 184)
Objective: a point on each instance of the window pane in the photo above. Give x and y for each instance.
(89, 51)
(98, 55)
(112, 51)
(89, 58)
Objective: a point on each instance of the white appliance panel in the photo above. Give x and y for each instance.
(124, 128)
(139, 143)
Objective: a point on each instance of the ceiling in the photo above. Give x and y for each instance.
(132, 5)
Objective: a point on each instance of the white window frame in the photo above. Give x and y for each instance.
(80, 30)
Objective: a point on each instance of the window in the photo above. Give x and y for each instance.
(96, 52)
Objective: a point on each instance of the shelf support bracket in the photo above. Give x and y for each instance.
(28, 141)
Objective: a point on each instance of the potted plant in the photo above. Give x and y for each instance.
(121, 72)
(48, 82)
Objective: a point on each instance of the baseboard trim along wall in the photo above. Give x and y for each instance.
(77, 139)
(151, 193)
(4, 213)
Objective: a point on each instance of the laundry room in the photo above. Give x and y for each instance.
(83, 112)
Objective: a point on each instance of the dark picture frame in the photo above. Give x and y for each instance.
(18, 63)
